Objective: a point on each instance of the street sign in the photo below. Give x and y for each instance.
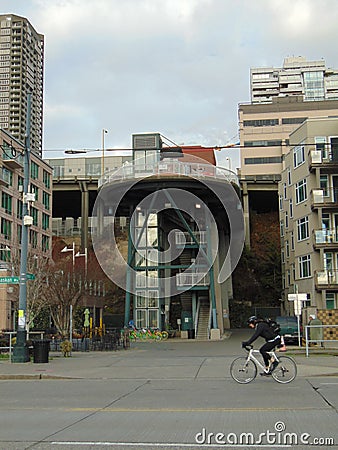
(9, 280)
(15, 280)
(292, 297)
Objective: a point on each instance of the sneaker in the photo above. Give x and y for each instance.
(273, 366)
(265, 374)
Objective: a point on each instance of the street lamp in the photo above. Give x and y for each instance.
(20, 351)
(85, 254)
(104, 131)
(72, 249)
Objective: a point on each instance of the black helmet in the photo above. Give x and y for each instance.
(252, 319)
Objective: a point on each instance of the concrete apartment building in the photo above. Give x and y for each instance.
(11, 206)
(281, 99)
(308, 204)
(21, 72)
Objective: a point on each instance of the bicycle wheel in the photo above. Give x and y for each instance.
(132, 336)
(165, 335)
(242, 370)
(286, 370)
(157, 335)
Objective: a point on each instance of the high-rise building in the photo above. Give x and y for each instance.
(310, 79)
(21, 72)
(281, 100)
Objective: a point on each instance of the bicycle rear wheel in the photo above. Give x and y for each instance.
(243, 370)
(286, 370)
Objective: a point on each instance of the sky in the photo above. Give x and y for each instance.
(176, 67)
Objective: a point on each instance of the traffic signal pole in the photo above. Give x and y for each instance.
(20, 350)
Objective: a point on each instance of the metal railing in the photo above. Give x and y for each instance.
(326, 156)
(326, 236)
(321, 327)
(12, 334)
(168, 168)
(326, 277)
(192, 279)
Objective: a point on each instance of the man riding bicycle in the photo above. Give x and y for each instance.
(263, 329)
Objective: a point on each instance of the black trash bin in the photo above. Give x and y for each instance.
(191, 334)
(41, 351)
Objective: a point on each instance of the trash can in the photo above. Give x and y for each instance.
(191, 334)
(41, 351)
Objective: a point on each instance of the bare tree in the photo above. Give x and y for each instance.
(35, 303)
(63, 290)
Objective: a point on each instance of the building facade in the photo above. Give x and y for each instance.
(21, 72)
(308, 203)
(11, 209)
(282, 99)
(312, 80)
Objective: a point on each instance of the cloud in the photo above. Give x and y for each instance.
(179, 67)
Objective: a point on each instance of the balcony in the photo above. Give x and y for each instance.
(324, 198)
(325, 238)
(324, 159)
(12, 162)
(326, 279)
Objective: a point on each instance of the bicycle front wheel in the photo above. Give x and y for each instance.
(286, 370)
(243, 370)
(165, 335)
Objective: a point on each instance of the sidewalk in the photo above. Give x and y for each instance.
(172, 359)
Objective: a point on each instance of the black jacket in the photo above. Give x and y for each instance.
(263, 330)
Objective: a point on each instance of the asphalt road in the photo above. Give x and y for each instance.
(169, 396)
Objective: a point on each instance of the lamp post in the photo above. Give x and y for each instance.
(85, 254)
(20, 351)
(104, 131)
(72, 249)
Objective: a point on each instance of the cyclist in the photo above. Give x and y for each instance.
(263, 329)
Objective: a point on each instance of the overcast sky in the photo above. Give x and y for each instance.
(177, 67)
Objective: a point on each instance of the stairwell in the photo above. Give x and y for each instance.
(202, 333)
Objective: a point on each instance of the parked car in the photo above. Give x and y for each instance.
(289, 328)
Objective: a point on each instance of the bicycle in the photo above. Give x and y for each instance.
(244, 369)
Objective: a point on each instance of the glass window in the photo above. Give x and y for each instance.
(298, 155)
(301, 191)
(6, 228)
(33, 238)
(35, 215)
(314, 85)
(6, 202)
(45, 221)
(140, 299)
(34, 170)
(141, 318)
(46, 199)
(320, 143)
(289, 177)
(304, 266)
(330, 300)
(45, 243)
(324, 184)
(153, 318)
(152, 299)
(46, 179)
(291, 208)
(303, 228)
